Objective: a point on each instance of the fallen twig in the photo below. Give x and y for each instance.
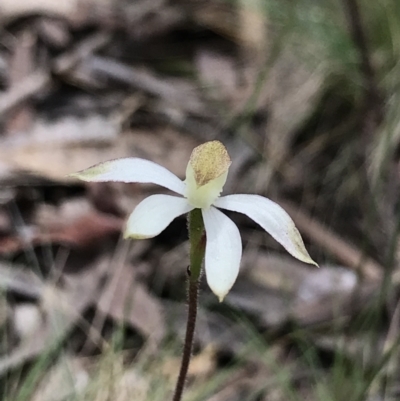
(331, 242)
(37, 81)
(27, 88)
(179, 93)
(84, 49)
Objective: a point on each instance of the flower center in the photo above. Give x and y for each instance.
(206, 174)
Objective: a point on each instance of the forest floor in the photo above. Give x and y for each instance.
(303, 94)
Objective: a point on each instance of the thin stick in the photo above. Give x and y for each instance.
(187, 347)
(348, 254)
(28, 87)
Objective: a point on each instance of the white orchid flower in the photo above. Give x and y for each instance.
(206, 174)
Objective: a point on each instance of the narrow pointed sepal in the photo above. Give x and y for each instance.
(132, 170)
(272, 218)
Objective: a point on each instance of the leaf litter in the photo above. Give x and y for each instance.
(84, 82)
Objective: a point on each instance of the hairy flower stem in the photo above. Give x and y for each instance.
(197, 250)
(187, 347)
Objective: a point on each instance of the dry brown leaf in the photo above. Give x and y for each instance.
(10, 244)
(56, 150)
(127, 300)
(280, 273)
(87, 231)
(330, 293)
(278, 288)
(21, 66)
(268, 286)
(17, 8)
(63, 309)
(84, 233)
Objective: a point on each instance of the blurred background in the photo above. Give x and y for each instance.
(305, 96)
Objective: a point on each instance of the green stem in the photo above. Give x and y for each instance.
(197, 250)
(197, 240)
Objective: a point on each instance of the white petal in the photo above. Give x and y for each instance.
(132, 170)
(223, 251)
(154, 214)
(272, 218)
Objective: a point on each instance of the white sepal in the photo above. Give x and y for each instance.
(223, 251)
(154, 214)
(272, 218)
(132, 170)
